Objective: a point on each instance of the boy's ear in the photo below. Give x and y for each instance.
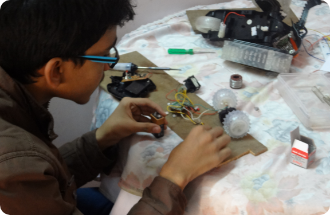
(53, 72)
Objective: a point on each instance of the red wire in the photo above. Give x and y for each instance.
(149, 75)
(170, 93)
(192, 109)
(224, 21)
(311, 45)
(321, 39)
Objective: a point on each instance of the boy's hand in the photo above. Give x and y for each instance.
(128, 119)
(202, 150)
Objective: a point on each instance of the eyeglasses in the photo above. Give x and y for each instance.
(112, 60)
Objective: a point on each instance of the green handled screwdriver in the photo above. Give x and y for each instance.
(186, 51)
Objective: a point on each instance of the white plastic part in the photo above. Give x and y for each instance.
(123, 67)
(254, 31)
(205, 24)
(249, 22)
(285, 5)
(224, 98)
(243, 53)
(236, 124)
(222, 30)
(265, 28)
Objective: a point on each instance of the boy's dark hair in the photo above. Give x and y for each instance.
(34, 31)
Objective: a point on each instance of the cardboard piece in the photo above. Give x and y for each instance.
(194, 14)
(303, 149)
(165, 83)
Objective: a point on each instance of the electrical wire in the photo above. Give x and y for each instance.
(311, 54)
(310, 43)
(188, 118)
(194, 119)
(206, 108)
(185, 103)
(204, 114)
(328, 37)
(149, 75)
(169, 94)
(311, 47)
(320, 39)
(198, 118)
(184, 99)
(326, 42)
(224, 21)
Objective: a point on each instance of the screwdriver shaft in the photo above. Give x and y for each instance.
(157, 68)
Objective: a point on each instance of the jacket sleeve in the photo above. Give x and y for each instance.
(30, 187)
(85, 159)
(161, 197)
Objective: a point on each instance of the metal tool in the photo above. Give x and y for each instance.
(186, 51)
(157, 68)
(131, 67)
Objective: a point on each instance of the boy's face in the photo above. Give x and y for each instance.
(82, 81)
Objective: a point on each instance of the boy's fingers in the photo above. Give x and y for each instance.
(224, 154)
(222, 141)
(216, 132)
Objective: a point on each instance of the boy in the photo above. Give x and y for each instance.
(41, 48)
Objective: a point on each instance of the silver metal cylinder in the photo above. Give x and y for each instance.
(236, 81)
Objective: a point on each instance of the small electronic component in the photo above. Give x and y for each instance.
(159, 120)
(283, 43)
(184, 107)
(236, 81)
(135, 77)
(192, 84)
(135, 88)
(179, 107)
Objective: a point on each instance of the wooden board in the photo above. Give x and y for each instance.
(165, 83)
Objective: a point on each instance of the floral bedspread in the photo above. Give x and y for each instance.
(265, 184)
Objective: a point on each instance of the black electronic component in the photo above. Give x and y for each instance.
(134, 89)
(192, 84)
(240, 28)
(224, 112)
(159, 120)
(264, 28)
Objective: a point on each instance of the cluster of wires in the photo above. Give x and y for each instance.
(183, 106)
(326, 38)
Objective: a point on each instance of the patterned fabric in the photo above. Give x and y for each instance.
(266, 184)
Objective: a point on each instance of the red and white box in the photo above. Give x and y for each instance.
(303, 149)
